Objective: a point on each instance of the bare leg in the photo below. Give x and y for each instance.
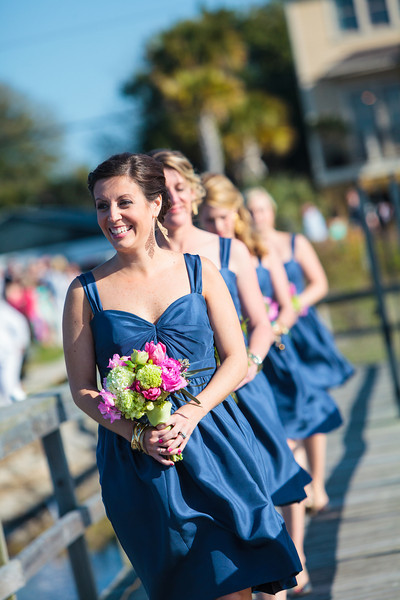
(242, 595)
(315, 447)
(294, 516)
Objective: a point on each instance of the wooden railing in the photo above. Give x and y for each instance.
(39, 418)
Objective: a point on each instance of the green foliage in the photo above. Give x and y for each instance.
(27, 148)
(235, 66)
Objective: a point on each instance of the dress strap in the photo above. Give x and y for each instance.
(224, 252)
(194, 269)
(292, 243)
(92, 294)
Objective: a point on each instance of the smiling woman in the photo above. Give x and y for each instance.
(210, 518)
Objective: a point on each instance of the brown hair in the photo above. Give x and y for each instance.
(173, 159)
(221, 192)
(144, 170)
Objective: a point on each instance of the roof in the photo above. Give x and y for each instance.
(367, 61)
(30, 227)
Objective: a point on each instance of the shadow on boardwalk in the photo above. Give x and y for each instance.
(353, 550)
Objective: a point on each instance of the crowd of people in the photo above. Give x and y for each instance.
(200, 272)
(32, 299)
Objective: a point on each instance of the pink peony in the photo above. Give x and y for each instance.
(151, 394)
(157, 352)
(117, 361)
(172, 380)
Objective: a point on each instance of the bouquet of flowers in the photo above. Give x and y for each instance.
(139, 385)
(272, 308)
(302, 311)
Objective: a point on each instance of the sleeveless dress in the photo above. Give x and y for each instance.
(207, 526)
(314, 344)
(257, 402)
(304, 409)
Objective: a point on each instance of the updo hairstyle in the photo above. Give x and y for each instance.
(144, 170)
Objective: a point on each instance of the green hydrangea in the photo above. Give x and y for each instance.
(149, 376)
(131, 404)
(119, 378)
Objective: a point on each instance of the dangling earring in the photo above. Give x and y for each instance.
(195, 208)
(163, 229)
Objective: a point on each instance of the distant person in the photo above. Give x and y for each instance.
(14, 343)
(314, 225)
(320, 360)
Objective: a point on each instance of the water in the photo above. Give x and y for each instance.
(55, 580)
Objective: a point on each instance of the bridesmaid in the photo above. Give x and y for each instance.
(206, 528)
(321, 361)
(304, 409)
(254, 393)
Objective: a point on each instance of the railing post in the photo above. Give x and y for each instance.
(394, 191)
(65, 496)
(386, 330)
(4, 554)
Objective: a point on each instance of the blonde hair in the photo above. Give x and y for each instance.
(173, 159)
(257, 191)
(221, 192)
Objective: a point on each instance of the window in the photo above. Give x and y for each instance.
(378, 11)
(346, 14)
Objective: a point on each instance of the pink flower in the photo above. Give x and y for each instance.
(109, 412)
(117, 361)
(108, 397)
(292, 289)
(273, 311)
(157, 352)
(151, 393)
(172, 380)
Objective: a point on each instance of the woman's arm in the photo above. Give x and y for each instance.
(259, 330)
(287, 316)
(80, 359)
(232, 353)
(317, 282)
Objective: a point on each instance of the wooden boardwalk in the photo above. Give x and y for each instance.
(353, 551)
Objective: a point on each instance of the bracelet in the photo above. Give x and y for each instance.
(255, 359)
(137, 436)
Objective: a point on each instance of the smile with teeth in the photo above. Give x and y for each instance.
(119, 230)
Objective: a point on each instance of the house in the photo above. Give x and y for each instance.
(347, 60)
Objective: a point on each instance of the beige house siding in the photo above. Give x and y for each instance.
(322, 54)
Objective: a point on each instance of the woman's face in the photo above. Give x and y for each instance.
(262, 212)
(218, 220)
(182, 197)
(123, 213)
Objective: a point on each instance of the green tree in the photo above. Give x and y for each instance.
(194, 96)
(28, 148)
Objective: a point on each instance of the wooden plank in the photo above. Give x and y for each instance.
(39, 415)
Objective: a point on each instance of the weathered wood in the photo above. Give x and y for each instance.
(66, 500)
(67, 530)
(25, 422)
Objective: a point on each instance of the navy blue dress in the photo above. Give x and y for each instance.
(313, 342)
(206, 527)
(304, 409)
(257, 402)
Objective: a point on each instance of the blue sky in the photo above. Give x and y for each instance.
(71, 58)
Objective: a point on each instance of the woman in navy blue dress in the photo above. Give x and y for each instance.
(205, 528)
(320, 360)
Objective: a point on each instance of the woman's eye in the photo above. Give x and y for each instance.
(101, 206)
